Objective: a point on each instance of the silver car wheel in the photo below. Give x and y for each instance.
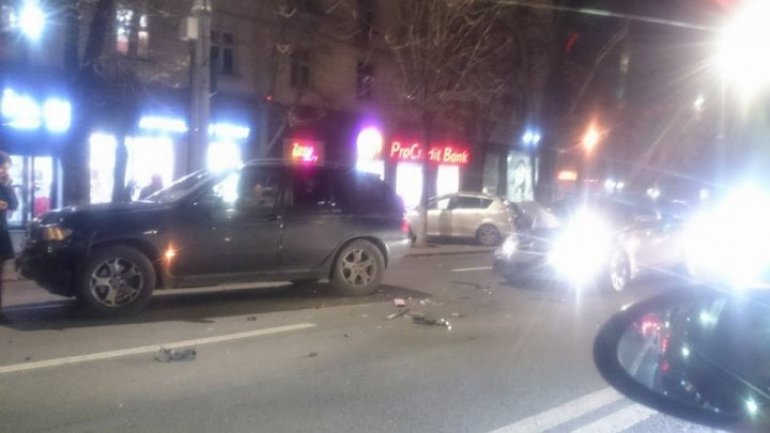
(358, 267)
(620, 271)
(116, 282)
(488, 235)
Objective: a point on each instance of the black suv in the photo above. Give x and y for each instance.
(267, 221)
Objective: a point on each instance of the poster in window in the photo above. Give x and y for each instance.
(520, 177)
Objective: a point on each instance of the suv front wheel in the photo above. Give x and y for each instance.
(116, 280)
(358, 269)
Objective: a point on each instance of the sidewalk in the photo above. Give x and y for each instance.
(447, 250)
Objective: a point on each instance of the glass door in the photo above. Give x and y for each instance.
(33, 181)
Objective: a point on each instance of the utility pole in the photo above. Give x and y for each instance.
(200, 83)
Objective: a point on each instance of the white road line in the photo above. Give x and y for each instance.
(618, 421)
(480, 268)
(149, 349)
(561, 414)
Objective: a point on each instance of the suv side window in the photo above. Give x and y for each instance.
(247, 189)
(364, 193)
(311, 190)
(464, 202)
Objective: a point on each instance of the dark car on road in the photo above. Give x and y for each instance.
(267, 221)
(607, 243)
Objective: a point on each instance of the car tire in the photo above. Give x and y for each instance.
(116, 281)
(619, 273)
(488, 235)
(358, 269)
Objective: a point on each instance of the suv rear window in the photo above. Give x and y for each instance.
(364, 193)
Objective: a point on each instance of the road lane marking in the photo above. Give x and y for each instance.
(479, 268)
(14, 368)
(618, 421)
(37, 307)
(561, 414)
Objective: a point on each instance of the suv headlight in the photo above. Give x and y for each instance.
(510, 245)
(56, 233)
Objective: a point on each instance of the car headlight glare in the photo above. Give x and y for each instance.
(510, 245)
(582, 249)
(55, 233)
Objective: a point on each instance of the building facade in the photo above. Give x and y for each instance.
(305, 80)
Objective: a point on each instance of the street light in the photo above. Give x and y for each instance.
(31, 20)
(741, 46)
(531, 138)
(591, 138)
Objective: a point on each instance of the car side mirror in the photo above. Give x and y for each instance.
(696, 353)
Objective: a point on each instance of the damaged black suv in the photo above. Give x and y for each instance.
(267, 221)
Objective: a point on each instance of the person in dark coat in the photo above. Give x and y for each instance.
(8, 203)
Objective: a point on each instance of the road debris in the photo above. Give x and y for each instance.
(399, 302)
(421, 319)
(347, 335)
(399, 313)
(172, 355)
(251, 318)
(312, 354)
(457, 315)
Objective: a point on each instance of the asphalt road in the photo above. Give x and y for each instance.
(287, 359)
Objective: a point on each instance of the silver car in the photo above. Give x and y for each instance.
(486, 218)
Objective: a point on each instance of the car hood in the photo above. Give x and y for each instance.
(102, 211)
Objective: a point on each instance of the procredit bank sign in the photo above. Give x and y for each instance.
(443, 154)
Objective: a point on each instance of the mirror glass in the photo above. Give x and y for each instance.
(711, 351)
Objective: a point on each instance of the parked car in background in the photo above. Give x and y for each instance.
(485, 218)
(266, 221)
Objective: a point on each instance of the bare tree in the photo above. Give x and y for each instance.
(451, 54)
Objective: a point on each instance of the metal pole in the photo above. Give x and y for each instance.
(200, 87)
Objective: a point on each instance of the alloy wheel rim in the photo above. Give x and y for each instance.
(116, 282)
(358, 267)
(488, 236)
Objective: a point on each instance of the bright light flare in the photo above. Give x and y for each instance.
(170, 253)
(583, 248)
(729, 243)
(741, 46)
(31, 20)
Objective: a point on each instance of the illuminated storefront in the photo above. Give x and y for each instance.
(302, 151)
(35, 120)
(153, 151)
(404, 161)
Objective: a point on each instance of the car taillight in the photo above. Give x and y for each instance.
(405, 226)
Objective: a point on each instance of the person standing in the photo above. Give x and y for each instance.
(8, 203)
(156, 184)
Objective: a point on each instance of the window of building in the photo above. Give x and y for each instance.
(223, 52)
(126, 22)
(300, 69)
(365, 81)
(367, 13)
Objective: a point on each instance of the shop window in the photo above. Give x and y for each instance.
(365, 81)
(311, 190)
(300, 69)
(223, 53)
(520, 177)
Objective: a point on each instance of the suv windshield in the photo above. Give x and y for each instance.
(180, 188)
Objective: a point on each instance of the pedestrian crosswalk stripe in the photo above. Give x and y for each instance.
(618, 421)
(564, 413)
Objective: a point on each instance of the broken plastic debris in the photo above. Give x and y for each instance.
(397, 314)
(420, 319)
(171, 355)
(399, 302)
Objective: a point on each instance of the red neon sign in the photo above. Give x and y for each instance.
(304, 151)
(440, 154)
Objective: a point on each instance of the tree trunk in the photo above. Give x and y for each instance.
(427, 139)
